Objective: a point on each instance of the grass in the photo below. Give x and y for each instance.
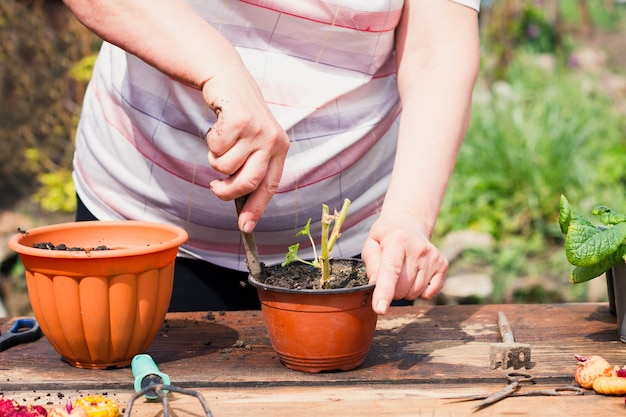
(541, 134)
(603, 14)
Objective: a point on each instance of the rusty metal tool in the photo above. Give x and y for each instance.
(508, 353)
(516, 380)
(161, 392)
(252, 254)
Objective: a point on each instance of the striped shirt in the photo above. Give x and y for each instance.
(326, 70)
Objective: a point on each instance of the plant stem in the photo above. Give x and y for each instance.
(328, 243)
(339, 219)
(324, 257)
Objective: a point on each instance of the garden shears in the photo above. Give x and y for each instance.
(516, 380)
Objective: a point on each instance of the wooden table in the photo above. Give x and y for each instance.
(421, 357)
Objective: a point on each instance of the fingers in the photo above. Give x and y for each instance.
(246, 144)
(401, 270)
(250, 163)
(231, 139)
(381, 272)
(250, 152)
(434, 285)
(245, 182)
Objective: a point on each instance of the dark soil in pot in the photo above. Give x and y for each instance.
(345, 273)
(64, 247)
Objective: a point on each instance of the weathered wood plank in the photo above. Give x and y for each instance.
(413, 345)
(341, 401)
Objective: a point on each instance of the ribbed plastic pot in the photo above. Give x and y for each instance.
(318, 330)
(100, 308)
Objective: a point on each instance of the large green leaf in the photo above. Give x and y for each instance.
(586, 273)
(569, 216)
(565, 216)
(582, 274)
(587, 245)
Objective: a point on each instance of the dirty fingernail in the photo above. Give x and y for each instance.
(248, 227)
(381, 306)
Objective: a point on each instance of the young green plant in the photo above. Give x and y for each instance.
(328, 240)
(592, 249)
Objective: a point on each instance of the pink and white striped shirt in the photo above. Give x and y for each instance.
(327, 72)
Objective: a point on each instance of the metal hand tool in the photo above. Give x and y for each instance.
(516, 379)
(154, 385)
(508, 353)
(252, 254)
(147, 373)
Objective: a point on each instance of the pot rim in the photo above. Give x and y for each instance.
(179, 236)
(333, 291)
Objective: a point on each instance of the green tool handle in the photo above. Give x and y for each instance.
(146, 373)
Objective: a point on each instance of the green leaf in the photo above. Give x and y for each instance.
(586, 273)
(292, 254)
(564, 214)
(587, 245)
(306, 230)
(608, 216)
(582, 274)
(568, 217)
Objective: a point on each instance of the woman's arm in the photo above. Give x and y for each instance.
(437, 47)
(168, 35)
(246, 144)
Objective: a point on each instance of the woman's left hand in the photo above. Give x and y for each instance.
(402, 261)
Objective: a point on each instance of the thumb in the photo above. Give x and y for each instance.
(246, 221)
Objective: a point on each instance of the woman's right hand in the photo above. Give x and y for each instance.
(246, 143)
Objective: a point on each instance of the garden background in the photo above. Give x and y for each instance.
(549, 118)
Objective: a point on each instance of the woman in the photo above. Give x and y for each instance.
(304, 102)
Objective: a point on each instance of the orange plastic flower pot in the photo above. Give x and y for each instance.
(99, 308)
(318, 330)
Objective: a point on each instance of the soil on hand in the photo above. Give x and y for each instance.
(344, 273)
(64, 247)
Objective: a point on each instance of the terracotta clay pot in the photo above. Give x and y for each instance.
(319, 330)
(99, 308)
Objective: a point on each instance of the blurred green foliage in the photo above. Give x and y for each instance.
(40, 96)
(607, 14)
(537, 136)
(513, 25)
(537, 131)
(56, 192)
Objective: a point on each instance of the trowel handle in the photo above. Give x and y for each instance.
(146, 373)
(505, 328)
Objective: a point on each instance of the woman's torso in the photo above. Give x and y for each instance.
(326, 70)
